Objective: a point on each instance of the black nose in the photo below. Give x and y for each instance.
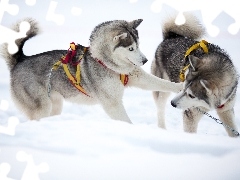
(144, 61)
(173, 104)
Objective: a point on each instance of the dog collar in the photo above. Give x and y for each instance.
(221, 106)
(123, 77)
(100, 62)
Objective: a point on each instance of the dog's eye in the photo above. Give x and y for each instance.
(131, 49)
(191, 96)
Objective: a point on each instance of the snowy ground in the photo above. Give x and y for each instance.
(83, 143)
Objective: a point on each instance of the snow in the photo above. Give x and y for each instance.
(84, 143)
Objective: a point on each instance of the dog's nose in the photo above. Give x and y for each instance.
(144, 61)
(173, 104)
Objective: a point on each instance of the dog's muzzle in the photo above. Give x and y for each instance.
(173, 104)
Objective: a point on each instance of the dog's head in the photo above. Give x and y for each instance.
(210, 81)
(116, 44)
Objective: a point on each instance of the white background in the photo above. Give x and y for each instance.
(83, 143)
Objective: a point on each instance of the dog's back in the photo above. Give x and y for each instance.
(169, 56)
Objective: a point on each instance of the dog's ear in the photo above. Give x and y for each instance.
(134, 24)
(120, 36)
(194, 61)
(206, 85)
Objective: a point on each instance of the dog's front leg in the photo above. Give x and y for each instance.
(227, 117)
(191, 118)
(116, 110)
(143, 80)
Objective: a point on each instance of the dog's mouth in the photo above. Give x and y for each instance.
(143, 62)
(131, 62)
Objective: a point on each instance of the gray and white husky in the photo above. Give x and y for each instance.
(114, 50)
(210, 81)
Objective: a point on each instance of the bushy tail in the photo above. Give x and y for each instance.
(12, 59)
(192, 28)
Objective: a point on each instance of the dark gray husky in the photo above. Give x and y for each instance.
(210, 77)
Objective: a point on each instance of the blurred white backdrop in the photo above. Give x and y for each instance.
(83, 143)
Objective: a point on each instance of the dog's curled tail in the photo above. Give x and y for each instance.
(12, 59)
(192, 28)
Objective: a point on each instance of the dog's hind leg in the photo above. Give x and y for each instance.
(37, 109)
(32, 100)
(42, 109)
(191, 118)
(227, 117)
(161, 100)
(57, 103)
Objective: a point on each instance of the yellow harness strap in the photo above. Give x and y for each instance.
(56, 65)
(78, 73)
(203, 45)
(74, 80)
(182, 73)
(78, 77)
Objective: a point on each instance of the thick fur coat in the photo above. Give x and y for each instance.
(114, 50)
(210, 81)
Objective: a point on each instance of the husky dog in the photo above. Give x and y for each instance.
(210, 79)
(114, 50)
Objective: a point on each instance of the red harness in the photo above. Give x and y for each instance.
(221, 106)
(68, 58)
